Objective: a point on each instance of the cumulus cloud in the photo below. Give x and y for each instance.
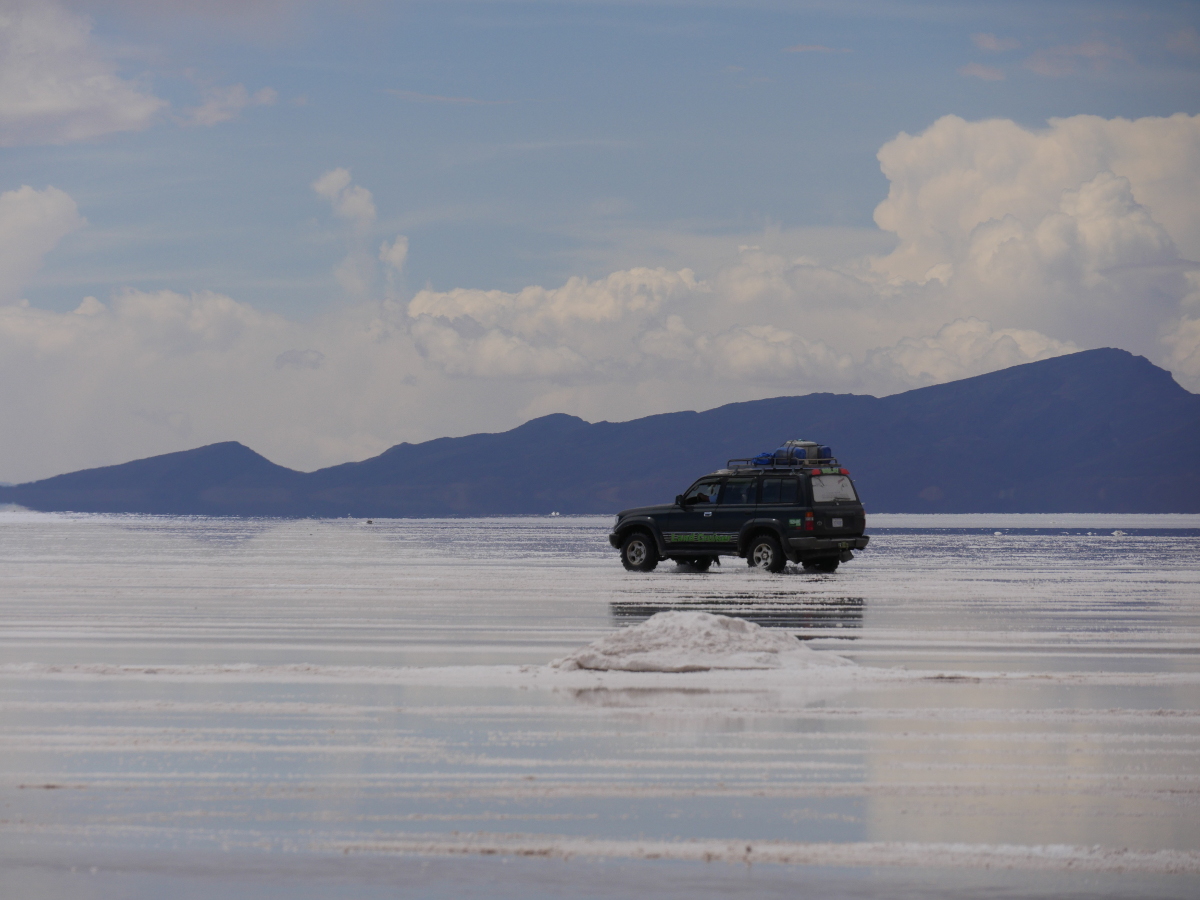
(394, 254)
(31, 224)
(767, 352)
(655, 324)
(358, 272)
(963, 347)
(57, 86)
(224, 103)
(1082, 230)
(538, 310)
(152, 372)
(349, 201)
(1183, 338)
(1012, 245)
(596, 321)
(494, 353)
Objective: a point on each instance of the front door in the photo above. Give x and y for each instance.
(734, 508)
(690, 528)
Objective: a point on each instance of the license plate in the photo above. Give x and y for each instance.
(837, 523)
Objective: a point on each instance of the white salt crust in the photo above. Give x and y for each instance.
(695, 642)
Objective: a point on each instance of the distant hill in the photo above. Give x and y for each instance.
(1098, 431)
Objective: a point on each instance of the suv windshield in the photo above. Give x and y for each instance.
(832, 488)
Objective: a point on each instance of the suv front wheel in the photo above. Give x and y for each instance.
(765, 553)
(638, 553)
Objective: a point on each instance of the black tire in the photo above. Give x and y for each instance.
(764, 552)
(638, 553)
(822, 565)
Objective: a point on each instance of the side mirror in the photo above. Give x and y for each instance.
(679, 500)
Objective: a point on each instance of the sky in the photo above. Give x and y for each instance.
(324, 228)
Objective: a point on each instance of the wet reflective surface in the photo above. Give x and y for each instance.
(195, 705)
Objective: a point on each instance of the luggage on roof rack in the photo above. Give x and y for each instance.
(802, 451)
(793, 454)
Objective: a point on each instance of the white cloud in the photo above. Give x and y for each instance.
(960, 349)
(31, 224)
(1080, 230)
(767, 352)
(1184, 360)
(595, 323)
(1183, 337)
(158, 371)
(358, 272)
(394, 254)
(57, 86)
(224, 103)
(493, 354)
(538, 310)
(349, 201)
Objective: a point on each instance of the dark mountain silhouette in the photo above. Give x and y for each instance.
(1098, 431)
(217, 479)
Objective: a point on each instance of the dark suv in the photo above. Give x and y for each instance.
(767, 512)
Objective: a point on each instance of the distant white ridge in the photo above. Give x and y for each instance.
(696, 642)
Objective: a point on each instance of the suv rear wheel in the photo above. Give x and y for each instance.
(765, 553)
(822, 565)
(638, 553)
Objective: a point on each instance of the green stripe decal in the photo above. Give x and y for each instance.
(704, 537)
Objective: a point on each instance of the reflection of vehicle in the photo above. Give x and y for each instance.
(768, 510)
(781, 609)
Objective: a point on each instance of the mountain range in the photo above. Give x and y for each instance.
(1096, 431)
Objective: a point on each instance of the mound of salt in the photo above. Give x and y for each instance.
(695, 642)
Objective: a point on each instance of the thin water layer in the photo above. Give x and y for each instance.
(352, 697)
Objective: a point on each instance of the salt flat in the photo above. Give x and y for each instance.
(310, 707)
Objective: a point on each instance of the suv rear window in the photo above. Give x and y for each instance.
(832, 488)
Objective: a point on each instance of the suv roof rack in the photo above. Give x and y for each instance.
(747, 462)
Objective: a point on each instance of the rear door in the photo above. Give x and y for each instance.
(781, 497)
(735, 507)
(836, 506)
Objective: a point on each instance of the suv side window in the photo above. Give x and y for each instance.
(704, 492)
(738, 491)
(779, 490)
